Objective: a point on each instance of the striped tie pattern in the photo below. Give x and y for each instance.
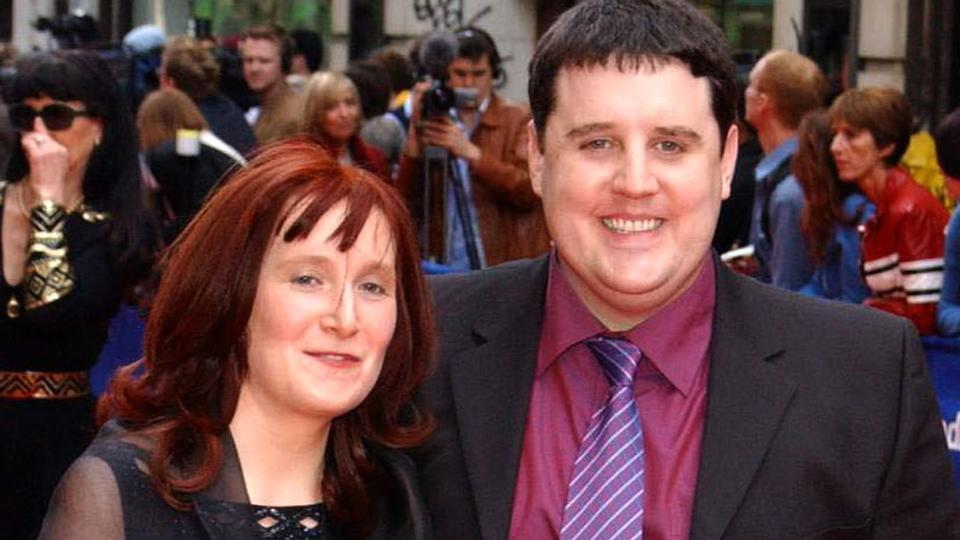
(605, 496)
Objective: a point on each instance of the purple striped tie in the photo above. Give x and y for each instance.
(605, 496)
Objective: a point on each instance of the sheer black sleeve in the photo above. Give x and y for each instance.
(86, 504)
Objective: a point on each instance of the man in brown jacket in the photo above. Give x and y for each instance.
(487, 137)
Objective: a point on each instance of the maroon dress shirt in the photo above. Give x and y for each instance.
(671, 394)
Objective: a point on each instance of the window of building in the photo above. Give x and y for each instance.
(748, 24)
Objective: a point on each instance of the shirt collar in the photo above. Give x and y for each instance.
(566, 321)
(481, 114)
(771, 161)
(680, 330)
(485, 105)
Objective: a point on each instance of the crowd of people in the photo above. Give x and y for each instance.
(836, 212)
(617, 377)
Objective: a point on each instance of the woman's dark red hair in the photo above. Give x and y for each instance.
(184, 391)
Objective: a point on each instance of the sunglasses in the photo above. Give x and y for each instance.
(56, 116)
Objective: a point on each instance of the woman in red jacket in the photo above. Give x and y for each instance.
(902, 246)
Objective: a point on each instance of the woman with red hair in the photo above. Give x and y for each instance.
(832, 212)
(289, 333)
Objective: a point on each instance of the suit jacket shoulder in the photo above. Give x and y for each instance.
(489, 326)
(767, 311)
(820, 419)
(488, 297)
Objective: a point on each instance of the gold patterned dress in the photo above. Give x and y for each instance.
(53, 325)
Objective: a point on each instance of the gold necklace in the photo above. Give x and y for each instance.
(26, 213)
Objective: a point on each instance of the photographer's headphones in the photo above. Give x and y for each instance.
(472, 32)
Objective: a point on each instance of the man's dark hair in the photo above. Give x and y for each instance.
(634, 34)
(398, 66)
(947, 137)
(373, 85)
(474, 43)
(310, 45)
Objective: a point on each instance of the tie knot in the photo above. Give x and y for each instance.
(618, 357)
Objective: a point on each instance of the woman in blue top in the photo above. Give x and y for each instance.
(831, 214)
(947, 138)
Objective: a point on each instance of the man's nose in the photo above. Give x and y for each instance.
(634, 178)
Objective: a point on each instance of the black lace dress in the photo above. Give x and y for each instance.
(106, 494)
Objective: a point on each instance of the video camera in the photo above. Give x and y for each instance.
(70, 30)
(437, 52)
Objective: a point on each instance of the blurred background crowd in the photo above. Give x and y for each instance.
(849, 158)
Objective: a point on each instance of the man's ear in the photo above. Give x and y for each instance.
(728, 160)
(763, 101)
(534, 159)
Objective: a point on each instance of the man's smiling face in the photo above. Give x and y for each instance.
(632, 177)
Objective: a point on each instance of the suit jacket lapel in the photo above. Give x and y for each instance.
(491, 386)
(748, 394)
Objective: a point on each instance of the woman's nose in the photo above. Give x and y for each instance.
(341, 317)
(836, 143)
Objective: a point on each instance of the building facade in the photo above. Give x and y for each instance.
(906, 44)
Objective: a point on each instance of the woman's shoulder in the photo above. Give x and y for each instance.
(126, 453)
(403, 513)
(396, 463)
(910, 198)
(909, 207)
(117, 464)
(86, 503)
(94, 494)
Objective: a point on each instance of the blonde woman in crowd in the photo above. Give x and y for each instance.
(332, 117)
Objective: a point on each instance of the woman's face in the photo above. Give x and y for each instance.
(340, 121)
(322, 320)
(855, 152)
(80, 138)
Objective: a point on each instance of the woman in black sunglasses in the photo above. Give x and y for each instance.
(74, 238)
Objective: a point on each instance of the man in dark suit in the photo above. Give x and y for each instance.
(628, 383)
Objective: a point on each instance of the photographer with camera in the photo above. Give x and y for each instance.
(464, 168)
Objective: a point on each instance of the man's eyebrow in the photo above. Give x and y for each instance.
(587, 129)
(678, 131)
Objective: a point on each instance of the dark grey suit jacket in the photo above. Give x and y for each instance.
(820, 423)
